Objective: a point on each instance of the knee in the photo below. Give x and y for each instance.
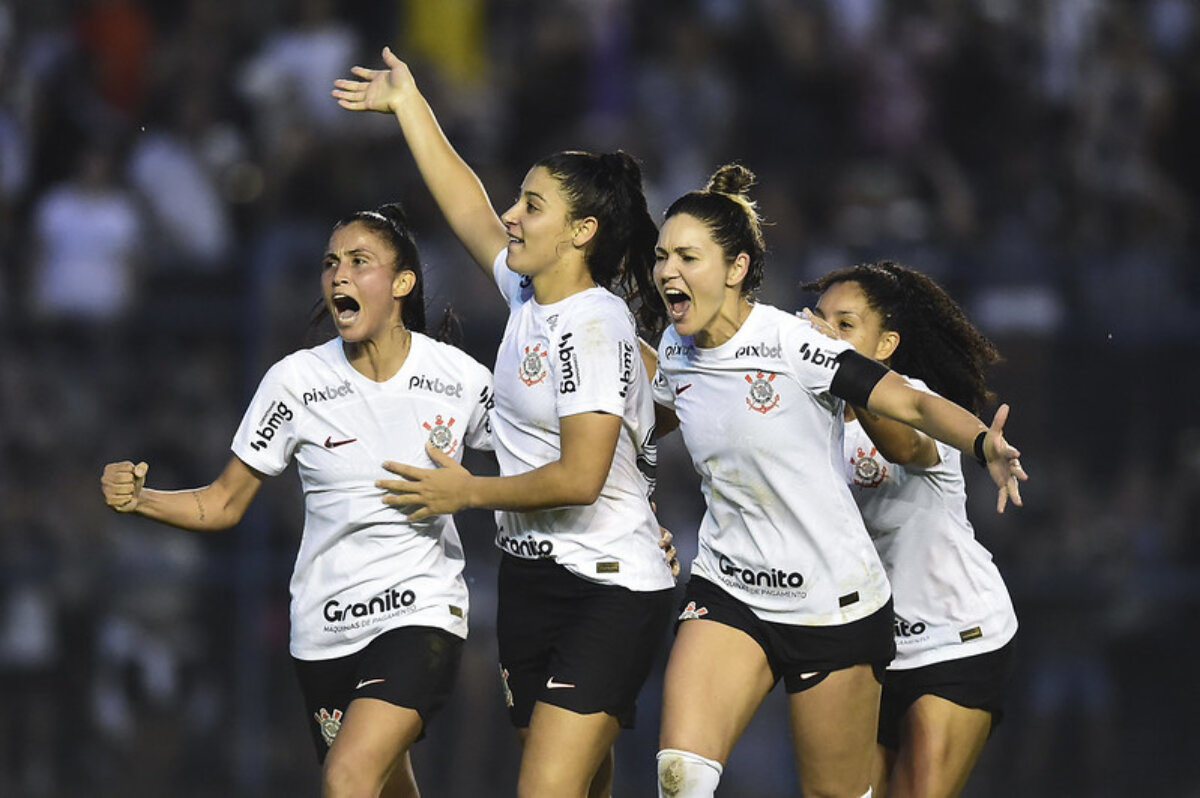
(682, 774)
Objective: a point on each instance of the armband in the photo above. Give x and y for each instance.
(856, 376)
(979, 455)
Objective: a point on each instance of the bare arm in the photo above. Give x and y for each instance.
(455, 187)
(589, 441)
(217, 506)
(942, 419)
(899, 443)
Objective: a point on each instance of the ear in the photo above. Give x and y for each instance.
(583, 231)
(403, 283)
(736, 272)
(887, 345)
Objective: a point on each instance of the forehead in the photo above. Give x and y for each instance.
(846, 296)
(357, 235)
(538, 180)
(684, 230)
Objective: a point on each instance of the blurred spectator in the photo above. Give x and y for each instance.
(87, 239)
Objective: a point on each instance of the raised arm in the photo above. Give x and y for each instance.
(455, 187)
(893, 397)
(217, 506)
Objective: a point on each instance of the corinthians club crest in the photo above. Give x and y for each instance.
(440, 434)
(763, 398)
(533, 365)
(330, 723)
(868, 471)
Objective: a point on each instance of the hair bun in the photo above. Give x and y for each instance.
(394, 213)
(733, 179)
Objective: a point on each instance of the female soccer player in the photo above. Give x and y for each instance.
(379, 604)
(585, 593)
(945, 690)
(786, 583)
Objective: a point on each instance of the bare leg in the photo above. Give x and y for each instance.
(833, 728)
(371, 752)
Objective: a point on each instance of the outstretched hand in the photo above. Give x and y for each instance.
(1003, 461)
(379, 90)
(122, 485)
(428, 491)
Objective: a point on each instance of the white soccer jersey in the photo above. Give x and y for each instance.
(578, 355)
(950, 599)
(362, 567)
(781, 531)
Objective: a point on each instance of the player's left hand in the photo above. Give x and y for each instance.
(427, 492)
(1003, 462)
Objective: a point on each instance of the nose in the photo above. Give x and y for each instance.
(508, 218)
(340, 273)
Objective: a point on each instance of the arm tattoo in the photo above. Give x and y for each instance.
(199, 504)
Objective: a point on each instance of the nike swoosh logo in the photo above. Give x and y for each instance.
(681, 388)
(553, 685)
(365, 682)
(809, 675)
(330, 443)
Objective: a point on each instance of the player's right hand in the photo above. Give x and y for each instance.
(122, 485)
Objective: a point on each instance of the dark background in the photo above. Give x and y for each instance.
(170, 171)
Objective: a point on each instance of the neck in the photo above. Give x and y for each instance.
(380, 358)
(565, 278)
(726, 323)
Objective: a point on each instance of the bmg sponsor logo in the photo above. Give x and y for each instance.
(568, 365)
(387, 601)
(276, 416)
(314, 395)
(771, 577)
(626, 355)
(421, 382)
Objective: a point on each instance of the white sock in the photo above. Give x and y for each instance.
(682, 774)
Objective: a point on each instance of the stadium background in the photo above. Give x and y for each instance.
(169, 172)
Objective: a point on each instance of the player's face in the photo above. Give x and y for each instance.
(361, 284)
(698, 283)
(538, 224)
(844, 305)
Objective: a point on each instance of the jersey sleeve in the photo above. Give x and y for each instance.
(267, 437)
(812, 356)
(660, 386)
(593, 360)
(479, 427)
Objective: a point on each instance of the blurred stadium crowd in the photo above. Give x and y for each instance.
(169, 173)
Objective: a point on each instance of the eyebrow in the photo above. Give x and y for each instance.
(682, 248)
(359, 251)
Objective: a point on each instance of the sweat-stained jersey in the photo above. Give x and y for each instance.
(781, 532)
(578, 355)
(950, 599)
(362, 567)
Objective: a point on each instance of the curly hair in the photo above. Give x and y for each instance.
(937, 342)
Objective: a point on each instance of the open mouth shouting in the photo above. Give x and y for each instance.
(345, 309)
(677, 303)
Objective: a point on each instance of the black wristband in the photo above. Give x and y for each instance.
(979, 455)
